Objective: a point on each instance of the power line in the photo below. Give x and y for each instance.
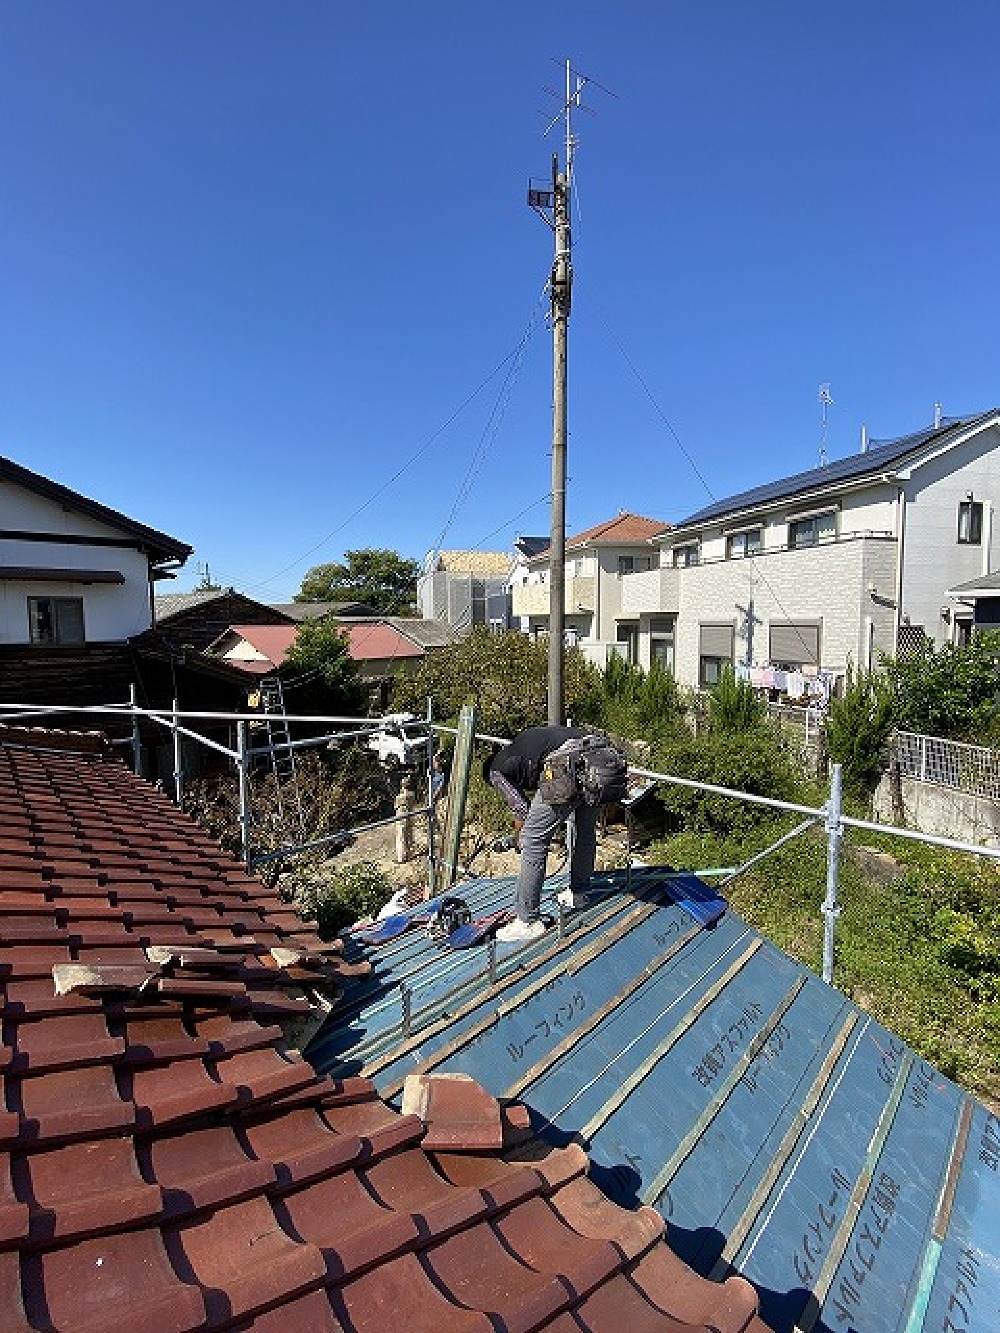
(401, 471)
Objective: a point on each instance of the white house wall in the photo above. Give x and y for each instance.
(933, 557)
(828, 583)
(112, 611)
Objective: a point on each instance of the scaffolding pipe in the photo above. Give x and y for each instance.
(430, 792)
(136, 737)
(834, 841)
(787, 837)
(178, 762)
(244, 776)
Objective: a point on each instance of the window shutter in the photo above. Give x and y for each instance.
(717, 641)
(795, 643)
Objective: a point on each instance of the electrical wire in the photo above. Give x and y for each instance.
(401, 471)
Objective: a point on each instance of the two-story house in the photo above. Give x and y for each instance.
(76, 615)
(72, 570)
(832, 566)
(597, 562)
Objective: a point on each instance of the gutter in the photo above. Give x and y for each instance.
(891, 479)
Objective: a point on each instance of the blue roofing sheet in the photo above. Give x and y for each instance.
(879, 455)
(779, 1129)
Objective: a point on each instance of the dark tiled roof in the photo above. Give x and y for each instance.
(160, 546)
(778, 1129)
(880, 455)
(168, 1162)
(530, 546)
(319, 610)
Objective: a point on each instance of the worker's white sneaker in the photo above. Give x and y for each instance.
(573, 902)
(520, 932)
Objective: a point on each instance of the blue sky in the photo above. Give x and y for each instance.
(269, 282)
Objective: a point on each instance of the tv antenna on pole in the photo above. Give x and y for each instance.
(826, 402)
(551, 201)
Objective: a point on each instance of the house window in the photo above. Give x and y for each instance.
(628, 637)
(970, 522)
(634, 564)
(715, 651)
(812, 530)
(739, 544)
(661, 640)
(793, 644)
(55, 620)
(685, 556)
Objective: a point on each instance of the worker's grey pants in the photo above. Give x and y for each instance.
(536, 838)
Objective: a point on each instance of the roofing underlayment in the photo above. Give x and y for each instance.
(170, 1162)
(780, 1131)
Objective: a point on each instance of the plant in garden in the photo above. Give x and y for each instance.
(640, 705)
(734, 705)
(858, 727)
(320, 670)
(949, 691)
(753, 761)
(337, 897)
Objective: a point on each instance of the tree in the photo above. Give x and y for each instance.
(949, 691)
(384, 579)
(507, 675)
(319, 665)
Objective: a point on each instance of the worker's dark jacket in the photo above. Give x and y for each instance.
(520, 762)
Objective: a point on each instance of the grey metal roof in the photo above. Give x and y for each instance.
(986, 583)
(777, 1127)
(173, 603)
(880, 455)
(318, 610)
(425, 633)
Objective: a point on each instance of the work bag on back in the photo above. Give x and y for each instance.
(584, 766)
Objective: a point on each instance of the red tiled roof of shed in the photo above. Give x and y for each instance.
(168, 1162)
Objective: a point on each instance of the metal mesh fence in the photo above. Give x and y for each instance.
(970, 768)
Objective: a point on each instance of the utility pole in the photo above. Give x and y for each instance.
(553, 206)
(561, 287)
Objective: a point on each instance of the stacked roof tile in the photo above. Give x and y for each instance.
(169, 1162)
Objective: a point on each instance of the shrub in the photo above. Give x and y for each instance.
(753, 761)
(335, 899)
(637, 704)
(858, 727)
(949, 691)
(734, 705)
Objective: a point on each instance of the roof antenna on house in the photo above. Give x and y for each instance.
(827, 402)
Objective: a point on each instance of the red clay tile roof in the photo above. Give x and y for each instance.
(623, 530)
(169, 1163)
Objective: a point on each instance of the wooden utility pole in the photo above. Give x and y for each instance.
(561, 285)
